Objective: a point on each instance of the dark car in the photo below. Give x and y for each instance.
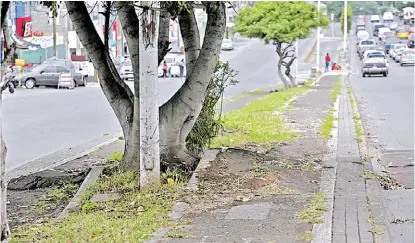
(80, 80)
(43, 75)
(376, 29)
(389, 42)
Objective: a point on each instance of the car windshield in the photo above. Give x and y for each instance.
(227, 41)
(376, 56)
(37, 68)
(368, 42)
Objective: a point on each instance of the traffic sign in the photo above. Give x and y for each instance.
(66, 81)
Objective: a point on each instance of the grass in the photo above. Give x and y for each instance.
(259, 122)
(328, 123)
(178, 234)
(356, 118)
(132, 218)
(55, 197)
(308, 236)
(314, 211)
(114, 157)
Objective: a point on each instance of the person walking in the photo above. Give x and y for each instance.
(328, 60)
(181, 65)
(164, 69)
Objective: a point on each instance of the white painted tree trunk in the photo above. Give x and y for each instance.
(149, 109)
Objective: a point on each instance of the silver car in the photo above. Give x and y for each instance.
(374, 66)
(80, 79)
(43, 75)
(408, 57)
(126, 71)
(227, 45)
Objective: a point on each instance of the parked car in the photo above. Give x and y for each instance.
(126, 71)
(78, 77)
(394, 49)
(389, 42)
(408, 57)
(43, 75)
(375, 66)
(227, 45)
(402, 33)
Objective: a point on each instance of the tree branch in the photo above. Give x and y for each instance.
(164, 26)
(191, 38)
(107, 15)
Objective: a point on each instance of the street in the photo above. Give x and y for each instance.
(42, 121)
(387, 108)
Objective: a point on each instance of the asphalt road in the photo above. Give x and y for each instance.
(41, 121)
(387, 108)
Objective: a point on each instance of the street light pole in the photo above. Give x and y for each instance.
(318, 38)
(345, 27)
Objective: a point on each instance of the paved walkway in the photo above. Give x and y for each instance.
(351, 214)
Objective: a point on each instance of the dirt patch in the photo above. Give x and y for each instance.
(48, 195)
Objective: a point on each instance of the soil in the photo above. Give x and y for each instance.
(22, 209)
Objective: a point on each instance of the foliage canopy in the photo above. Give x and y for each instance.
(280, 22)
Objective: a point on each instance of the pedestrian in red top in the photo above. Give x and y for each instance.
(165, 67)
(328, 60)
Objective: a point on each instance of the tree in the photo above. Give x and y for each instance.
(334, 7)
(179, 114)
(8, 54)
(349, 19)
(280, 23)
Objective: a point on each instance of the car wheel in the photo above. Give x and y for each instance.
(401, 64)
(85, 81)
(364, 75)
(73, 85)
(385, 74)
(30, 83)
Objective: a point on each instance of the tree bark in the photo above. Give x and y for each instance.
(179, 114)
(130, 24)
(149, 120)
(4, 225)
(164, 28)
(280, 51)
(117, 92)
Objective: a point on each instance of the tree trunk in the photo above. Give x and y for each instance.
(164, 29)
(288, 74)
(149, 120)
(179, 114)
(287, 84)
(4, 32)
(117, 92)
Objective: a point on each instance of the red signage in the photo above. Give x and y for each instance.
(24, 26)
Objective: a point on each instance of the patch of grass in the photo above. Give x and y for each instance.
(260, 168)
(173, 177)
(374, 227)
(358, 126)
(314, 211)
(56, 197)
(260, 121)
(106, 134)
(274, 189)
(120, 138)
(371, 175)
(118, 182)
(178, 234)
(308, 236)
(114, 157)
(125, 222)
(328, 123)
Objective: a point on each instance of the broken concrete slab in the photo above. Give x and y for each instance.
(104, 197)
(44, 179)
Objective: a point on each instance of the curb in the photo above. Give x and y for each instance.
(323, 232)
(60, 157)
(90, 179)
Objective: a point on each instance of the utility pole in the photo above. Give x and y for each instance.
(318, 38)
(149, 109)
(55, 51)
(345, 27)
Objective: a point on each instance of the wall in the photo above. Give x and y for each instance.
(40, 55)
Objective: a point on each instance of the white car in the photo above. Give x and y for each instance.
(395, 48)
(362, 35)
(227, 44)
(398, 54)
(382, 31)
(373, 52)
(374, 19)
(126, 71)
(393, 25)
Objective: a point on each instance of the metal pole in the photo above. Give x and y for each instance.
(318, 39)
(55, 51)
(296, 60)
(345, 27)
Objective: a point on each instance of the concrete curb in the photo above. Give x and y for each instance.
(60, 157)
(322, 232)
(90, 179)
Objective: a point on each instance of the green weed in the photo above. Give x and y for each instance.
(314, 211)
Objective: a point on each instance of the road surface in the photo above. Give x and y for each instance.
(387, 108)
(41, 121)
